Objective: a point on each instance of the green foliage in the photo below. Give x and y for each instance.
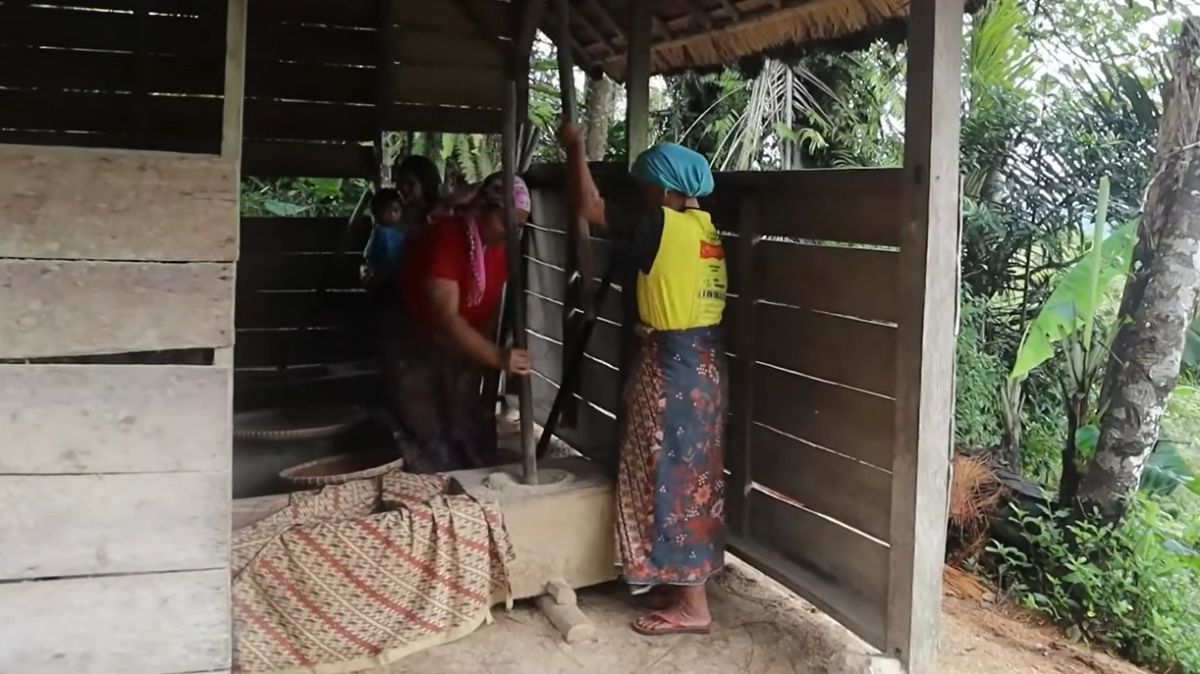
(292, 197)
(1072, 305)
(1134, 587)
(979, 375)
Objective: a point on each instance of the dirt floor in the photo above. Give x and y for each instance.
(759, 628)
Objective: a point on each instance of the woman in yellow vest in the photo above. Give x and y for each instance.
(670, 483)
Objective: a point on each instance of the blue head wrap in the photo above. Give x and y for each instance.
(675, 168)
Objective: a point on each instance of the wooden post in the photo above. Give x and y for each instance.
(925, 371)
(742, 433)
(235, 73)
(637, 79)
(384, 88)
(516, 283)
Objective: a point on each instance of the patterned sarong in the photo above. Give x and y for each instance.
(362, 574)
(670, 482)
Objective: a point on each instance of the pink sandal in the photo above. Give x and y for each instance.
(668, 626)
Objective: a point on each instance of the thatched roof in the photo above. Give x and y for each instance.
(691, 34)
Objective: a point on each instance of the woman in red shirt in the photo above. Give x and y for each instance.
(451, 281)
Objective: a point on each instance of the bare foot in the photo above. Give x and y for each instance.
(689, 615)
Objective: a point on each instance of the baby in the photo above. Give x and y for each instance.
(381, 258)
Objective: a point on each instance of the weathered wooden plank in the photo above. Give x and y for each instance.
(265, 159)
(71, 203)
(66, 419)
(290, 348)
(837, 486)
(357, 13)
(106, 71)
(547, 356)
(544, 317)
(472, 17)
(861, 615)
(303, 309)
(309, 43)
(186, 7)
(77, 525)
(844, 420)
(853, 568)
(927, 301)
(847, 281)
(298, 235)
(303, 81)
(549, 209)
(168, 121)
(842, 350)
(428, 48)
(170, 622)
(317, 121)
(81, 308)
(70, 28)
(594, 435)
(851, 205)
(473, 86)
(299, 271)
(547, 246)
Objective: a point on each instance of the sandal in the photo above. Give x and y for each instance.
(666, 626)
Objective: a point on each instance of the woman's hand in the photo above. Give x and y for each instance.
(570, 136)
(515, 361)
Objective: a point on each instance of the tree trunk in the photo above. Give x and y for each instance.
(601, 102)
(1159, 295)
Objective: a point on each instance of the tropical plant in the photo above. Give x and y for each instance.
(1070, 318)
(1134, 586)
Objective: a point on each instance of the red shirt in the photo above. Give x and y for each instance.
(442, 252)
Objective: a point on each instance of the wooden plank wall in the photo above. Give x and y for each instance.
(302, 314)
(115, 476)
(813, 267)
(313, 79)
(113, 73)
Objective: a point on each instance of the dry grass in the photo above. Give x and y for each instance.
(975, 494)
(963, 585)
(761, 31)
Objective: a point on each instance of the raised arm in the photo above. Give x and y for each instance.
(580, 185)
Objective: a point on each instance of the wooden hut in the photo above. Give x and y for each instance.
(137, 303)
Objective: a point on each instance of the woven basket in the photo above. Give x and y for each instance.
(299, 423)
(340, 469)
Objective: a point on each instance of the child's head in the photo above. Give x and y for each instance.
(418, 181)
(387, 207)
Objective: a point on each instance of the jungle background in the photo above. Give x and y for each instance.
(1062, 103)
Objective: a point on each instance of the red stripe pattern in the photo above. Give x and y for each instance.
(362, 568)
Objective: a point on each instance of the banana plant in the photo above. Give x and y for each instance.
(1067, 324)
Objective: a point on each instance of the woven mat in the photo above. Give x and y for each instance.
(359, 575)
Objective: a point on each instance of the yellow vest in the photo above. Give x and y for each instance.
(686, 285)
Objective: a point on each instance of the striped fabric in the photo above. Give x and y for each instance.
(359, 575)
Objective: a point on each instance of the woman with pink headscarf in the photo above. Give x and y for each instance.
(451, 282)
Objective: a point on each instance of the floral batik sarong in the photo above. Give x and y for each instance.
(670, 482)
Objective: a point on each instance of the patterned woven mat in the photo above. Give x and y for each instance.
(359, 575)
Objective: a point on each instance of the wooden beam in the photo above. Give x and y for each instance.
(235, 74)
(699, 14)
(385, 89)
(609, 20)
(637, 79)
(732, 10)
(925, 364)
